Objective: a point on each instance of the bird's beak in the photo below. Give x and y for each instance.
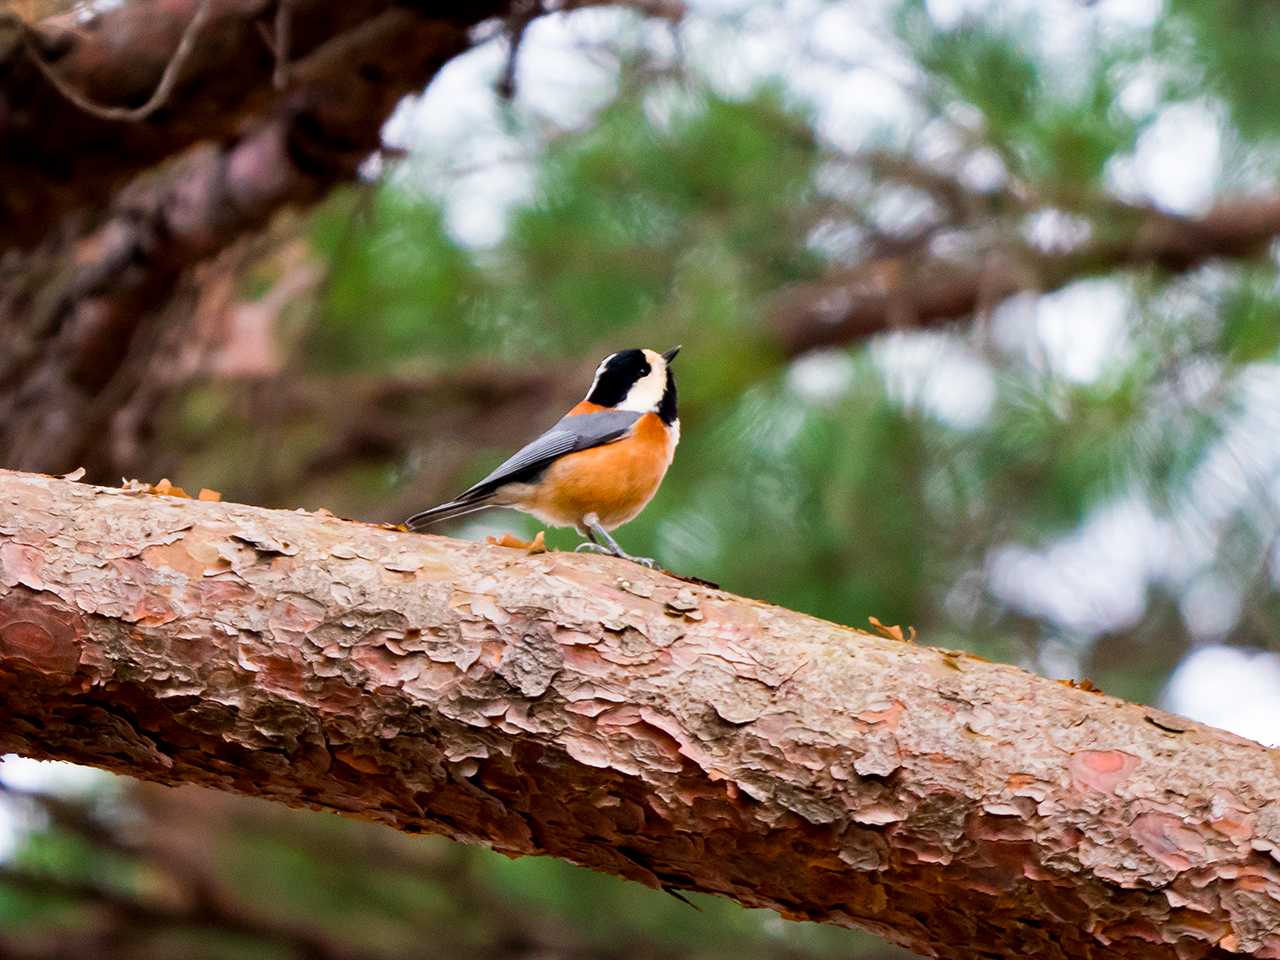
(671, 354)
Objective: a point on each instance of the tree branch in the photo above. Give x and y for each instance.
(899, 293)
(76, 306)
(593, 710)
(163, 89)
(126, 62)
(202, 911)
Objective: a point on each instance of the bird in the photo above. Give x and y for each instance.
(598, 466)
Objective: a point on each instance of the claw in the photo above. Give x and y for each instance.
(589, 547)
(590, 527)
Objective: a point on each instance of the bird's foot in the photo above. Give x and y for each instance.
(599, 541)
(589, 547)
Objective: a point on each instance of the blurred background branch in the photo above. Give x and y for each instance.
(896, 290)
(234, 885)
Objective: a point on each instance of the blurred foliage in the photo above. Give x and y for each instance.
(1231, 48)
(860, 481)
(400, 265)
(1056, 128)
(626, 217)
(247, 881)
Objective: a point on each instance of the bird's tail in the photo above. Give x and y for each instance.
(445, 511)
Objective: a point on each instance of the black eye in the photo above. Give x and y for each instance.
(620, 372)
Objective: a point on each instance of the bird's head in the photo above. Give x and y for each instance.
(637, 380)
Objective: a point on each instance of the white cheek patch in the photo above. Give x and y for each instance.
(646, 393)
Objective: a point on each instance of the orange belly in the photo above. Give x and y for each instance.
(614, 481)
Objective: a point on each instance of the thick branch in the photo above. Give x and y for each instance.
(898, 293)
(590, 709)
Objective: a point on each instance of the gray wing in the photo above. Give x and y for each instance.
(569, 435)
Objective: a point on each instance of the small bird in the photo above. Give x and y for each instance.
(598, 466)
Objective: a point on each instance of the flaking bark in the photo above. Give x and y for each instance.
(590, 709)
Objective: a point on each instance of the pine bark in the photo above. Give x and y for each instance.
(645, 726)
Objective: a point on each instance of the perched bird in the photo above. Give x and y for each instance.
(598, 466)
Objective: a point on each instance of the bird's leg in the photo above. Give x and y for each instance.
(592, 545)
(592, 529)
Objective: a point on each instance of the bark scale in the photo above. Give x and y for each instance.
(590, 709)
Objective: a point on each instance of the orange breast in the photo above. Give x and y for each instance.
(614, 481)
